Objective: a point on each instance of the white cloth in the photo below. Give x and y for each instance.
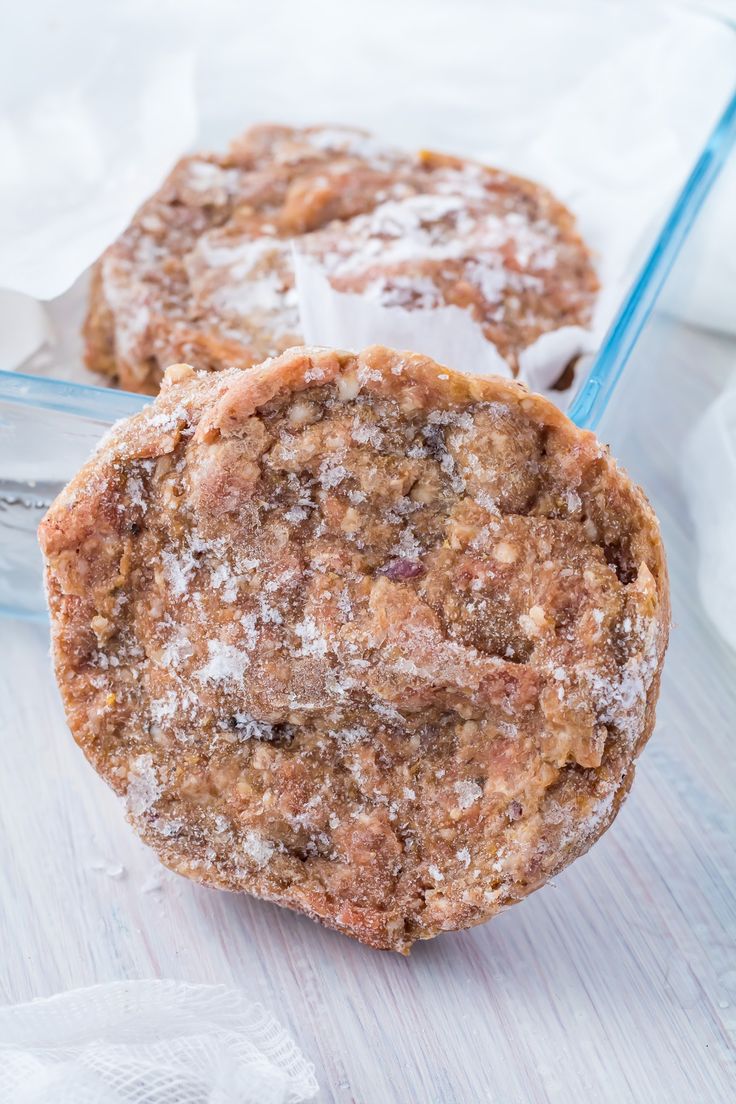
(709, 477)
(158, 1042)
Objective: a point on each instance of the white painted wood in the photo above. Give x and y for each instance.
(617, 984)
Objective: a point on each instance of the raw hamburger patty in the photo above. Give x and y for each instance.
(359, 635)
(204, 272)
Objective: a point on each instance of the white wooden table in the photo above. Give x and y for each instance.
(615, 985)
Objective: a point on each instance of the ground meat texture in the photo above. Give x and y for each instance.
(347, 634)
(204, 272)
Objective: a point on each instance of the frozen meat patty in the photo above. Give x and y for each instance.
(359, 635)
(204, 273)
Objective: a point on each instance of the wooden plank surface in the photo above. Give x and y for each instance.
(617, 984)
